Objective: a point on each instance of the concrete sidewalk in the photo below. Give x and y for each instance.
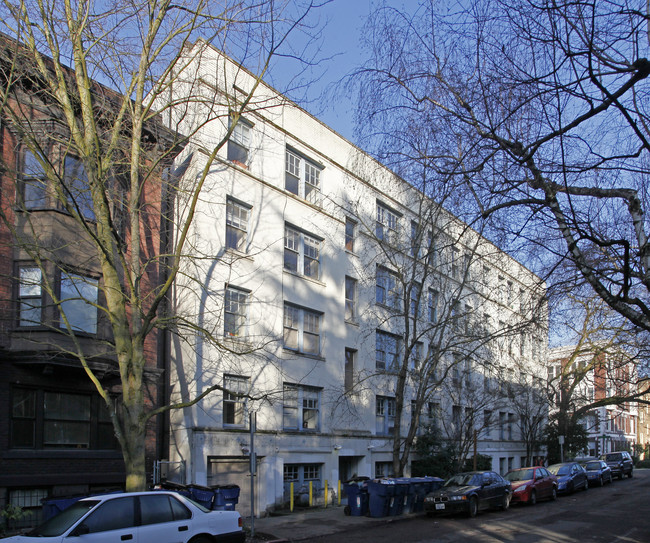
(307, 524)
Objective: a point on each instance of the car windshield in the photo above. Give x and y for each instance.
(520, 475)
(60, 523)
(613, 457)
(560, 469)
(591, 466)
(464, 479)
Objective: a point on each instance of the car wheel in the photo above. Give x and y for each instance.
(620, 476)
(630, 474)
(554, 494)
(505, 503)
(586, 487)
(600, 481)
(473, 507)
(533, 498)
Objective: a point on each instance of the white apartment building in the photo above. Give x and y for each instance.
(607, 373)
(316, 268)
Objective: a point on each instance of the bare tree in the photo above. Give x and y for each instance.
(539, 112)
(86, 87)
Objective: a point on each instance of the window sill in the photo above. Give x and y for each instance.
(388, 307)
(352, 323)
(305, 277)
(304, 355)
(235, 254)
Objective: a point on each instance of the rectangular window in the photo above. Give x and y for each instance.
(239, 142)
(387, 224)
(34, 182)
(301, 408)
(77, 187)
(301, 252)
(30, 296)
(350, 234)
(385, 410)
(78, 295)
(23, 422)
(30, 502)
(383, 470)
(234, 401)
(387, 349)
(302, 177)
(235, 312)
(350, 358)
(350, 299)
(416, 355)
(66, 421)
(237, 216)
(454, 258)
(487, 423)
(301, 329)
(414, 306)
(432, 306)
(388, 289)
(415, 239)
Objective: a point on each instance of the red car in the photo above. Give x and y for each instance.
(532, 484)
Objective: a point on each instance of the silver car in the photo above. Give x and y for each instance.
(137, 517)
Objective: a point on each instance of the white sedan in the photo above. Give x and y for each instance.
(137, 517)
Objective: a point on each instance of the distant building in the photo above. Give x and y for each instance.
(605, 374)
(302, 243)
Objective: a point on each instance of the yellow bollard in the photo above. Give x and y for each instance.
(291, 498)
(326, 493)
(311, 493)
(338, 491)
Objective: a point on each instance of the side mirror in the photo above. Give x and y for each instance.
(82, 529)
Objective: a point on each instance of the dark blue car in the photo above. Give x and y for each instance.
(598, 472)
(571, 476)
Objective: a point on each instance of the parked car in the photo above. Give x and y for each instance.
(598, 472)
(163, 517)
(620, 462)
(469, 493)
(571, 476)
(532, 484)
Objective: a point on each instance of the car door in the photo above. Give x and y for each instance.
(113, 521)
(543, 483)
(164, 519)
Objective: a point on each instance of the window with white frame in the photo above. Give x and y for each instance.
(432, 306)
(302, 329)
(234, 400)
(301, 408)
(384, 470)
(34, 182)
(78, 296)
(240, 141)
(387, 225)
(350, 362)
(388, 288)
(454, 262)
(301, 252)
(414, 305)
(302, 176)
(77, 188)
(415, 239)
(387, 349)
(235, 312)
(350, 299)
(350, 234)
(427, 417)
(237, 216)
(416, 355)
(30, 296)
(385, 410)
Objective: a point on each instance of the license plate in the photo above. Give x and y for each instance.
(440, 506)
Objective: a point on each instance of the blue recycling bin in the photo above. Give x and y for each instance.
(357, 499)
(53, 506)
(401, 495)
(381, 495)
(230, 496)
(202, 495)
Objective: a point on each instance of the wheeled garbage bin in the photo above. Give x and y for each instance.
(357, 499)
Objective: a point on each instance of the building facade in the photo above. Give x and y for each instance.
(333, 297)
(598, 374)
(56, 436)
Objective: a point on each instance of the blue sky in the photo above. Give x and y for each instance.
(340, 22)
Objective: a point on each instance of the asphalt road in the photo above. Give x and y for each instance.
(616, 513)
